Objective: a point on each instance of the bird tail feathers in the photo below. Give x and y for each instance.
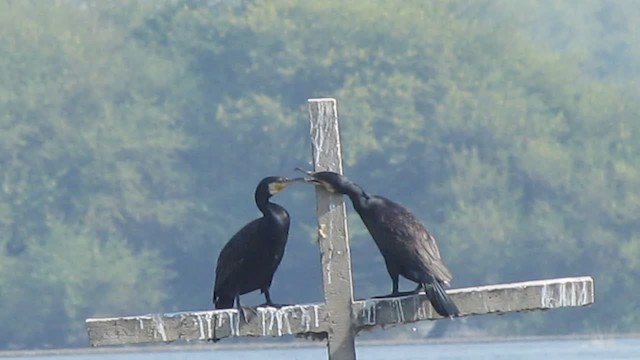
(440, 300)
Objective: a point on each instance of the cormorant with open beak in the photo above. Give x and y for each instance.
(407, 247)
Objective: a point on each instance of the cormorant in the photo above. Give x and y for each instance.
(250, 258)
(407, 247)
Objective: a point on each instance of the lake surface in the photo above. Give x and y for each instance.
(582, 349)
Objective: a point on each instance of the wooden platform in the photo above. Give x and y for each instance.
(311, 318)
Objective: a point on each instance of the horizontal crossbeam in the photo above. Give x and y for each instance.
(311, 319)
(499, 298)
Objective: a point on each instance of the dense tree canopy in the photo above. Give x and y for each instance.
(133, 134)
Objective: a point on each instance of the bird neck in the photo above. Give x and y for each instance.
(268, 208)
(357, 195)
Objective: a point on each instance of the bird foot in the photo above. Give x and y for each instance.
(247, 313)
(385, 296)
(397, 294)
(277, 306)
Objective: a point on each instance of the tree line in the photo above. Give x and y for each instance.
(133, 135)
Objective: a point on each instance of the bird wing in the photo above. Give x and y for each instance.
(412, 244)
(233, 255)
(427, 253)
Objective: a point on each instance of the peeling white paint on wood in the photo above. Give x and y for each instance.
(312, 318)
(333, 236)
(500, 298)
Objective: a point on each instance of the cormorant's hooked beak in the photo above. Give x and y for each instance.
(283, 183)
(294, 180)
(306, 172)
(311, 179)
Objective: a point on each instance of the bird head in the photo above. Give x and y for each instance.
(329, 180)
(272, 185)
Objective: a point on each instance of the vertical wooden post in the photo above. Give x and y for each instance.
(332, 232)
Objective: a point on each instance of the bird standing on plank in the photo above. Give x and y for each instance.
(407, 247)
(250, 258)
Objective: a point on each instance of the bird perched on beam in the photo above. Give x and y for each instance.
(250, 258)
(407, 247)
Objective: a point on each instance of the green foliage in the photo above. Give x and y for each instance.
(87, 144)
(133, 135)
(71, 276)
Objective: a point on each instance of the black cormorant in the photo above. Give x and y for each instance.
(248, 261)
(407, 247)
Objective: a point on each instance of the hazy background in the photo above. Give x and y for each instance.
(133, 134)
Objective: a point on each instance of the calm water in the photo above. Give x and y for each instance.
(618, 348)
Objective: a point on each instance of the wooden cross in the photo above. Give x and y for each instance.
(339, 318)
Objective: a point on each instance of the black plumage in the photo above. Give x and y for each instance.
(250, 258)
(407, 247)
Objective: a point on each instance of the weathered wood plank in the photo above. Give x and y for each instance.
(207, 325)
(333, 237)
(500, 298)
(312, 318)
